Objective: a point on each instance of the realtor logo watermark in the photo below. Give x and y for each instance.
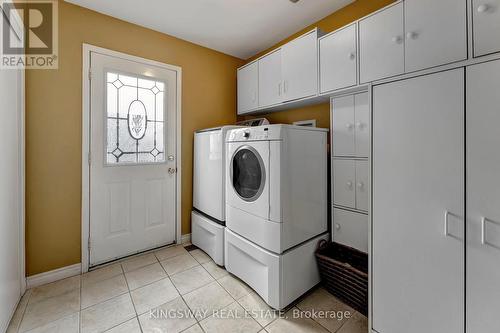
(29, 37)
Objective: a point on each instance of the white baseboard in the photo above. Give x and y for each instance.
(186, 238)
(52, 276)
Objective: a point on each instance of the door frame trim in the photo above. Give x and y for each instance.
(85, 215)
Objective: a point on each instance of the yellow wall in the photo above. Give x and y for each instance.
(54, 127)
(53, 118)
(330, 23)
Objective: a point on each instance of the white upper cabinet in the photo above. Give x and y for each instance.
(248, 78)
(381, 40)
(270, 82)
(338, 59)
(300, 67)
(486, 23)
(436, 33)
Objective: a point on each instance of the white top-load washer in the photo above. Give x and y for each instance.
(208, 217)
(277, 184)
(276, 208)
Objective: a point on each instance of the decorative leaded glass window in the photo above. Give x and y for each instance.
(135, 120)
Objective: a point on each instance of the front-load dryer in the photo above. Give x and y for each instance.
(208, 217)
(276, 186)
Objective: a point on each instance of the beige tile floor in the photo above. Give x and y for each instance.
(170, 290)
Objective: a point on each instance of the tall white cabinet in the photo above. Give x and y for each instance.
(483, 198)
(418, 204)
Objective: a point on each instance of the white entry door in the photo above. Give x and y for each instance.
(132, 157)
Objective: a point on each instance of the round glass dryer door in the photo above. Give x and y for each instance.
(248, 174)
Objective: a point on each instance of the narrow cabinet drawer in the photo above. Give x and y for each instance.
(344, 182)
(351, 126)
(350, 183)
(350, 228)
(362, 185)
(343, 126)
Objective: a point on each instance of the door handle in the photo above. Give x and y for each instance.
(447, 214)
(484, 241)
(172, 170)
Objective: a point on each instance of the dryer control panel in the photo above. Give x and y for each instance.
(259, 133)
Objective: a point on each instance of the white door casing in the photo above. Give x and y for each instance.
(12, 185)
(418, 176)
(134, 191)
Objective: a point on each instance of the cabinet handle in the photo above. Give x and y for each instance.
(361, 185)
(360, 125)
(397, 39)
(352, 55)
(349, 126)
(279, 89)
(411, 35)
(483, 8)
(446, 222)
(285, 86)
(337, 226)
(254, 96)
(484, 220)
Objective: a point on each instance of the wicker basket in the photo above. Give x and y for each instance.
(344, 273)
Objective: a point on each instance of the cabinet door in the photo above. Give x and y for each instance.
(436, 33)
(381, 43)
(343, 126)
(337, 59)
(362, 185)
(270, 83)
(418, 176)
(362, 124)
(351, 229)
(344, 178)
(483, 193)
(248, 88)
(486, 24)
(300, 67)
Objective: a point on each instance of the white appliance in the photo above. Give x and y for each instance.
(208, 217)
(253, 122)
(276, 208)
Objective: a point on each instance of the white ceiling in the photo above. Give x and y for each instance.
(240, 28)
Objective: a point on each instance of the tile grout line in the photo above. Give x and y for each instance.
(183, 300)
(235, 300)
(24, 311)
